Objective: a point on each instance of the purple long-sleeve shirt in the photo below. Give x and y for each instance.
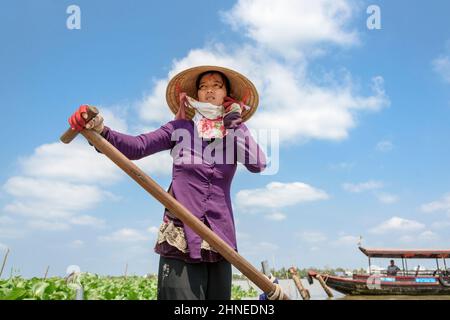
(201, 178)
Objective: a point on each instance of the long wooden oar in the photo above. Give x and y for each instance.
(174, 206)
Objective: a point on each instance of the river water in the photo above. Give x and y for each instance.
(317, 292)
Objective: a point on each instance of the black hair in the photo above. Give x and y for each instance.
(224, 78)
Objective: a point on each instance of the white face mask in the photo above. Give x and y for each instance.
(206, 109)
(208, 118)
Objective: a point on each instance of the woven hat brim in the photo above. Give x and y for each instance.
(239, 84)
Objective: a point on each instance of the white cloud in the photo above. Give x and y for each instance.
(345, 240)
(12, 232)
(153, 106)
(51, 205)
(242, 236)
(387, 198)
(384, 146)
(397, 224)
(428, 235)
(267, 246)
(48, 225)
(439, 205)
(156, 164)
(312, 236)
(4, 220)
(440, 224)
(87, 220)
(278, 195)
(74, 162)
(323, 112)
(425, 236)
(48, 198)
(262, 249)
(361, 187)
(76, 244)
(125, 235)
(153, 229)
(276, 216)
(115, 117)
(37, 209)
(406, 239)
(342, 166)
(3, 247)
(286, 26)
(441, 65)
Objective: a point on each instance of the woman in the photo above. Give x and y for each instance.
(206, 139)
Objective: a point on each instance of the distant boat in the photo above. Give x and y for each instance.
(418, 282)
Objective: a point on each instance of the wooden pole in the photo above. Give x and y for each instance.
(303, 292)
(265, 267)
(4, 262)
(324, 286)
(126, 270)
(180, 211)
(403, 265)
(46, 272)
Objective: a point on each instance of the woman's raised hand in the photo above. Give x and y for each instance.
(77, 120)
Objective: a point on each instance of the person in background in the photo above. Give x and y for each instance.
(392, 269)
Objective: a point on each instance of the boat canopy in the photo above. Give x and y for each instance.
(405, 253)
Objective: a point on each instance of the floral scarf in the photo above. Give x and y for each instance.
(208, 117)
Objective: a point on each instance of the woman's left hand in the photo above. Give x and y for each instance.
(232, 120)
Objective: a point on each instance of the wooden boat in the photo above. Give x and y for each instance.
(418, 282)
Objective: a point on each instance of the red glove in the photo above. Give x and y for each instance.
(77, 120)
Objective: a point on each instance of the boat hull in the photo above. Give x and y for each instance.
(382, 285)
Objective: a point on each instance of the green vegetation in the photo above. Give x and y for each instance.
(283, 273)
(237, 293)
(94, 287)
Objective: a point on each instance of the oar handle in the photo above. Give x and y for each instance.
(70, 134)
(182, 213)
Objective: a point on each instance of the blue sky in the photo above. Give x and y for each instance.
(361, 116)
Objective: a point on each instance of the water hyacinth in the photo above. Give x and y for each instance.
(90, 287)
